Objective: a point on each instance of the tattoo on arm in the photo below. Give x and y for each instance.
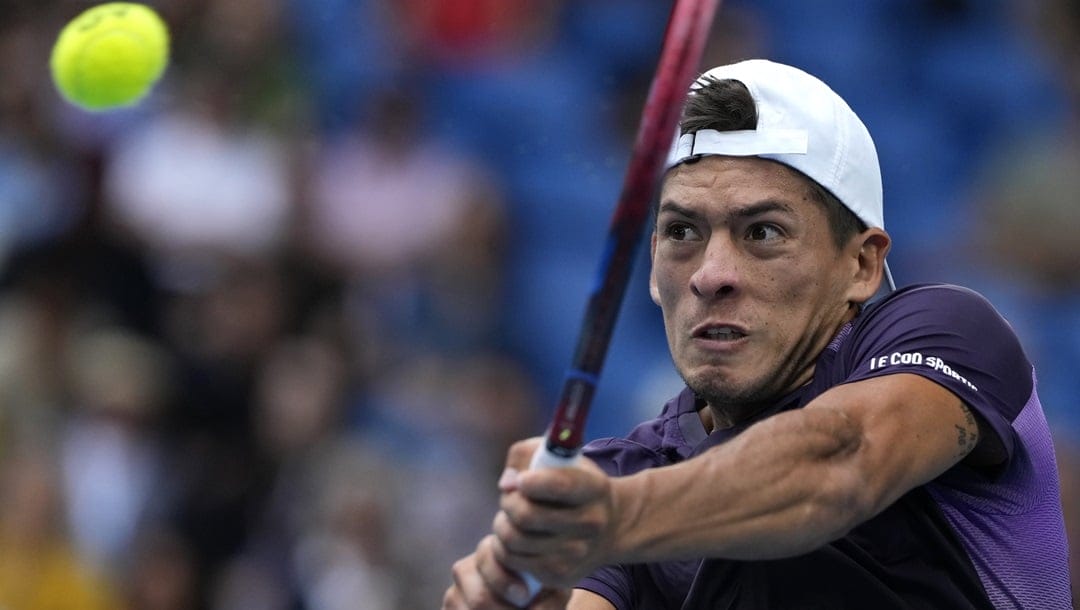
(967, 435)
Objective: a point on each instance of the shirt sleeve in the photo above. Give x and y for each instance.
(618, 457)
(613, 583)
(955, 338)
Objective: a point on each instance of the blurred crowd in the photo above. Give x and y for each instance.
(265, 337)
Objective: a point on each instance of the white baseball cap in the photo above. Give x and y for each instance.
(803, 124)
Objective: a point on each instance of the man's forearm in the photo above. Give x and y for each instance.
(796, 480)
(782, 488)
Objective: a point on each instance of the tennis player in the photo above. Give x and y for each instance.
(839, 444)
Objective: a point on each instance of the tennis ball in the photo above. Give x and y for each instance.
(110, 55)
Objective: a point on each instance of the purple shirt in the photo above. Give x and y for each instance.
(969, 539)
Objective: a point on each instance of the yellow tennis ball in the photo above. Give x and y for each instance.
(110, 55)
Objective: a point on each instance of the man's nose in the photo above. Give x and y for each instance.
(718, 273)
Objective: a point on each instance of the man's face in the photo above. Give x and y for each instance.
(749, 278)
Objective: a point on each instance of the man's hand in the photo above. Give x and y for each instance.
(481, 583)
(556, 524)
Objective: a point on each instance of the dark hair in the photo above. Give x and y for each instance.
(723, 105)
(726, 105)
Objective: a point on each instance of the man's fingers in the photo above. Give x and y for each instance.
(512, 538)
(497, 578)
(583, 483)
(562, 502)
(520, 454)
(547, 599)
(524, 524)
(560, 562)
(480, 583)
(453, 600)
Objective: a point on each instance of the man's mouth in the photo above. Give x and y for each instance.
(720, 333)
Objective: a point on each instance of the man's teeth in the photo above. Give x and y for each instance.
(722, 333)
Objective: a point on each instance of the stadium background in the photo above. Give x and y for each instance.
(265, 338)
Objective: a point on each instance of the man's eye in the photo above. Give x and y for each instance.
(681, 232)
(763, 232)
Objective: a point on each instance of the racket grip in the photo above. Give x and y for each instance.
(545, 458)
(533, 585)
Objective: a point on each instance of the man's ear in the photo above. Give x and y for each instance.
(868, 250)
(654, 292)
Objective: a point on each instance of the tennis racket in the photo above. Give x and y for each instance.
(680, 55)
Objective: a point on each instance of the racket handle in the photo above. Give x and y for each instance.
(533, 585)
(545, 458)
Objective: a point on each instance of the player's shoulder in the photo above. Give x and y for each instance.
(935, 304)
(922, 295)
(937, 316)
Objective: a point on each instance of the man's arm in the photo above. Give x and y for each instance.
(785, 486)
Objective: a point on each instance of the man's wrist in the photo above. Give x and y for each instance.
(629, 500)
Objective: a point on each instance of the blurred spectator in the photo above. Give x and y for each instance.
(40, 568)
(219, 336)
(415, 227)
(300, 395)
(110, 452)
(163, 572)
(34, 325)
(192, 185)
(344, 552)
(52, 292)
(446, 424)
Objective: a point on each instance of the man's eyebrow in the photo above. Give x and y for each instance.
(746, 211)
(759, 208)
(670, 206)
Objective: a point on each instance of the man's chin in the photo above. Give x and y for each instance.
(720, 392)
(725, 384)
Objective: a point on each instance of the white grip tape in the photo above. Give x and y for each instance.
(533, 585)
(544, 458)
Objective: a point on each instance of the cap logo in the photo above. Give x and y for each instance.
(743, 143)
